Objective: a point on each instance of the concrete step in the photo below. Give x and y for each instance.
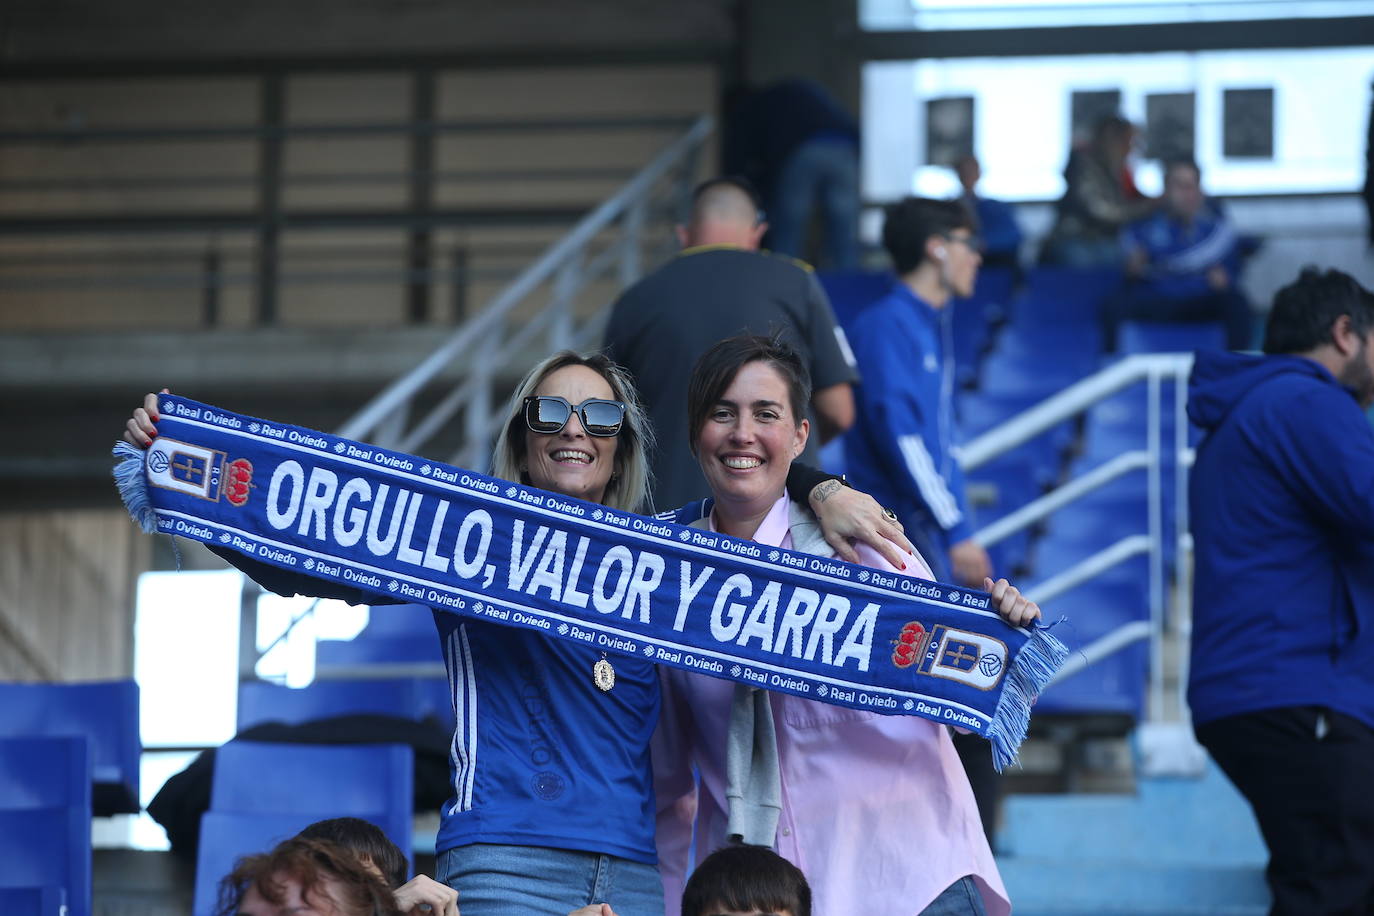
(1166, 822)
(1173, 846)
(1044, 887)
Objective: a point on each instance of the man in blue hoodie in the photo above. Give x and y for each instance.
(1281, 683)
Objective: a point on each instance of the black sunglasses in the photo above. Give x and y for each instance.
(547, 414)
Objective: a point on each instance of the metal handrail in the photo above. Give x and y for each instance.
(480, 337)
(1153, 370)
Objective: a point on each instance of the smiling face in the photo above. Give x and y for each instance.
(569, 461)
(746, 445)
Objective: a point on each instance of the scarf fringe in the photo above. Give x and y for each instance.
(1034, 665)
(133, 485)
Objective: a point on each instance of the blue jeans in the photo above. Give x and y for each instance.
(493, 880)
(959, 899)
(825, 169)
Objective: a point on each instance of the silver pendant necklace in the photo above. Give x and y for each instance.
(603, 675)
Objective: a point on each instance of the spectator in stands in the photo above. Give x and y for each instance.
(1281, 681)
(1097, 201)
(901, 448)
(531, 832)
(419, 895)
(746, 880)
(721, 284)
(1182, 263)
(877, 806)
(799, 145)
(303, 877)
(993, 221)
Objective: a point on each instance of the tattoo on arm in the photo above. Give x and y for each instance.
(826, 490)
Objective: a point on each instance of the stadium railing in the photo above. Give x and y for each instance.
(1155, 371)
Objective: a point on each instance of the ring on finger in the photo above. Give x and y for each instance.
(889, 514)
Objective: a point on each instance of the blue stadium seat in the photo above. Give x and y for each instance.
(435, 700)
(48, 846)
(372, 781)
(971, 332)
(1063, 295)
(1012, 482)
(105, 713)
(1036, 369)
(368, 649)
(980, 411)
(45, 772)
(1115, 685)
(45, 818)
(851, 290)
(261, 702)
(391, 620)
(1162, 337)
(396, 634)
(227, 836)
(994, 287)
(47, 900)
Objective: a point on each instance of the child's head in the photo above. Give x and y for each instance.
(367, 841)
(746, 881)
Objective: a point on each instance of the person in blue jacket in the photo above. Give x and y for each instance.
(1281, 682)
(1182, 263)
(900, 447)
(993, 220)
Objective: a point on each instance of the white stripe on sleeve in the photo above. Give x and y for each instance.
(933, 488)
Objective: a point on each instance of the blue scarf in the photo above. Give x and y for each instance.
(409, 529)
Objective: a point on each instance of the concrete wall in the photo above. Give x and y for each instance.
(67, 582)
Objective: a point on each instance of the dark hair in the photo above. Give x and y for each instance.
(1305, 310)
(365, 839)
(311, 862)
(911, 222)
(718, 366)
(738, 182)
(1181, 162)
(1113, 124)
(746, 878)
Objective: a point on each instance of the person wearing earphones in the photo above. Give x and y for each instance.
(900, 447)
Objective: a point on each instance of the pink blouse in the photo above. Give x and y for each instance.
(876, 810)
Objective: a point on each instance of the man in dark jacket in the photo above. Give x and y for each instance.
(1282, 506)
(721, 284)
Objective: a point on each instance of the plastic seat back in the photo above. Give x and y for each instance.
(263, 702)
(48, 847)
(45, 772)
(44, 900)
(1170, 337)
(105, 713)
(371, 781)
